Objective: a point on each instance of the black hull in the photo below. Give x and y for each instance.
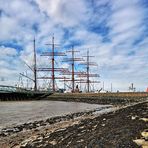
(14, 96)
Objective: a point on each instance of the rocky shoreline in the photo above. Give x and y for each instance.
(42, 123)
(116, 127)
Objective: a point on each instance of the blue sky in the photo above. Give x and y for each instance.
(115, 31)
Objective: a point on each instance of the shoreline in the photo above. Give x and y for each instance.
(116, 99)
(58, 131)
(9, 130)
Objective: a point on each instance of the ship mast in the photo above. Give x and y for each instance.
(35, 71)
(88, 63)
(53, 69)
(73, 73)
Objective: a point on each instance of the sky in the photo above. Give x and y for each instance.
(114, 31)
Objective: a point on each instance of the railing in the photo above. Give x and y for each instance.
(4, 88)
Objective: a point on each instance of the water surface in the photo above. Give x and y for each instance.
(17, 112)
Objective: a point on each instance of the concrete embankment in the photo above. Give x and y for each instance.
(101, 98)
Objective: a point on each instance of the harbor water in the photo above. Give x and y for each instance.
(18, 112)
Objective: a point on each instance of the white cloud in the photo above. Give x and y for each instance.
(125, 21)
(64, 12)
(8, 24)
(10, 65)
(118, 58)
(7, 51)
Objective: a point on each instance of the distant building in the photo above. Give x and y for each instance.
(132, 88)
